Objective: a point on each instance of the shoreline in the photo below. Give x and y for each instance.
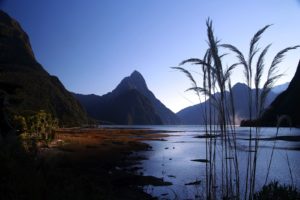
(89, 163)
(105, 158)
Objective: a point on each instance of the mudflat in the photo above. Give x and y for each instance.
(99, 163)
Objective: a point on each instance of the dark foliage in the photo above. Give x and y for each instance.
(276, 191)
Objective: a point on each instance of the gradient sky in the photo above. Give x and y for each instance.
(91, 45)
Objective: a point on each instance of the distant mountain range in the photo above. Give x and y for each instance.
(27, 88)
(280, 88)
(194, 114)
(286, 104)
(24, 83)
(131, 102)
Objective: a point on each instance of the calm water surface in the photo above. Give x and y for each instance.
(172, 159)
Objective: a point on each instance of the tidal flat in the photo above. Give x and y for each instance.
(94, 163)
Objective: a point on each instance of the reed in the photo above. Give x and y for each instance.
(220, 116)
(260, 98)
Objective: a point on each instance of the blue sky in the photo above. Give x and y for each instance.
(91, 45)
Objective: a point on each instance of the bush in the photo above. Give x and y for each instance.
(276, 191)
(39, 127)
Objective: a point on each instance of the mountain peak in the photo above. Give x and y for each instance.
(135, 81)
(136, 73)
(239, 86)
(15, 44)
(130, 102)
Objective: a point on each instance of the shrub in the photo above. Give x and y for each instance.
(39, 127)
(276, 191)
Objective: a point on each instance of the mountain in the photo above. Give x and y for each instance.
(131, 102)
(136, 81)
(26, 85)
(280, 88)
(194, 114)
(286, 104)
(127, 108)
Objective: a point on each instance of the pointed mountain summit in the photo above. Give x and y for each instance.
(131, 102)
(138, 80)
(135, 81)
(34, 89)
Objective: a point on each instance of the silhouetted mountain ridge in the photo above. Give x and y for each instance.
(280, 88)
(36, 89)
(144, 107)
(134, 81)
(285, 104)
(195, 114)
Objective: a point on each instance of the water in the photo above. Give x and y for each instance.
(171, 160)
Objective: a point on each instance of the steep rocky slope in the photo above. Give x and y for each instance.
(286, 104)
(27, 87)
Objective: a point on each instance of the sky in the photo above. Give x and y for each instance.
(92, 45)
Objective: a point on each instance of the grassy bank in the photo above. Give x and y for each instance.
(79, 164)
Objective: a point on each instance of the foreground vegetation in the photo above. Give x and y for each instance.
(37, 129)
(220, 115)
(77, 164)
(274, 191)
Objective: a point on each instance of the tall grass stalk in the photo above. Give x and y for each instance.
(290, 169)
(220, 115)
(215, 79)
(260, 98)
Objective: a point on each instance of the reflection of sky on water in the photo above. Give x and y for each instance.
(171, 160)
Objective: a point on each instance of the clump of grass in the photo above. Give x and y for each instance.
(276, 191)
